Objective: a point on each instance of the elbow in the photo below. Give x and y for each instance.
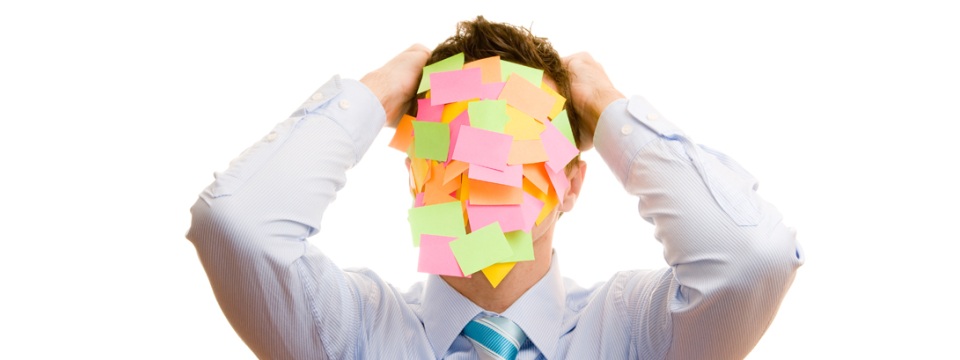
(768, 263)
(218, 226)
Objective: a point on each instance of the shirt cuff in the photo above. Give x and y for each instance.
(627, 126)
(352, 106)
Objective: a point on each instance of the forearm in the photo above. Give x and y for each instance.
(250, 225)
(731, 257)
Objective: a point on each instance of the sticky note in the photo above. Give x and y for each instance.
(490, 67)
(510, 217)
(537, 175)
(452, 110)
(496, 272)
(488, 193)
(431, 140)
(452, 86)
(527, 97)
(454, 169)
(560, 100)
(482, 147)
(559, 149)
(560, 183)
(491, 91)
(549, 199)
(522, 245)
(419, 169)
(461, 120)
(454, 62)
(527, 152)
(437, 191)
(404, 134)
(488, 114)
(436, 256)
(418, 200)
(534, 76)
(481, 248)
(522, 126)
(428, 112)
(563, 125)
(442, 219)
(511, 176)
(530, 210)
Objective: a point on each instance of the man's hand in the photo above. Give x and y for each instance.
(591, 90)
(395, 83)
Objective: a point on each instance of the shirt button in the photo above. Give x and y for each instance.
(344, 104)
(652, 116)
(626, 129)
(318, 96)
(271, 137)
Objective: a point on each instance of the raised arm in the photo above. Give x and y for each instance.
(731, 258)
(282, 295)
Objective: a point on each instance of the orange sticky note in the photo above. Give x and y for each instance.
(490, 67)
(557, 106)
(404, 135)
(527, 97)
(488, 193)
(454, 169)
(527, 152)
(496, 272)
(435, 190)
(537, 174)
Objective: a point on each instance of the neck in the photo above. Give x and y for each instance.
(521, 278)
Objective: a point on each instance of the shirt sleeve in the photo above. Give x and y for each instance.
(731, 259)
(284, 298)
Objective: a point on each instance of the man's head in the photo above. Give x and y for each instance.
(479, 38)
(492, 148)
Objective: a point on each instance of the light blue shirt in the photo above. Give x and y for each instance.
(730, 258)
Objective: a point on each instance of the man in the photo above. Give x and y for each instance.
(730, 257)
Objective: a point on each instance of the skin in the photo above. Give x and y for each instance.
(395, 83)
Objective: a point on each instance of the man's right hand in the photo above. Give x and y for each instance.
(591, 90)
(395, 83)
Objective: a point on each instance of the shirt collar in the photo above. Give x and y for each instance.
(539, 312)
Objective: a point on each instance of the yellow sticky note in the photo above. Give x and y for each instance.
(420, 169)
(496, 272)
(522, 126)
(452, 110)
(557, 106)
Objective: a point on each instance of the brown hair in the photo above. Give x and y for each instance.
(478, 39)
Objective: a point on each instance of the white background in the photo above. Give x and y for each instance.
(115, 115)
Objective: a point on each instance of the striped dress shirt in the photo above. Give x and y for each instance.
(730, 259)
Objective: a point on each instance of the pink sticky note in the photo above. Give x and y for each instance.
(510, 217)
(436, 256)
(455, 124)
(452, 86)
(530, 208)
(483, 147)
(512, 175)
(558, 148)
(418, 201)
(428, 112)
(560, 183)
(491, 91)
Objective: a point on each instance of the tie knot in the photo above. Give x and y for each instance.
(495, 337)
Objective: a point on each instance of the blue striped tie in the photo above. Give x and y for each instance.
(495, 337)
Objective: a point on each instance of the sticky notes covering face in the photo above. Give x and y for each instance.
(488, 147)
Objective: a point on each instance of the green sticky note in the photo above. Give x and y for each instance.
(488, 114)
(454, 62)
(431, 140)
(522, 244)
(562, 122)
(534, 76)
(481, 248)
(441, 219)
